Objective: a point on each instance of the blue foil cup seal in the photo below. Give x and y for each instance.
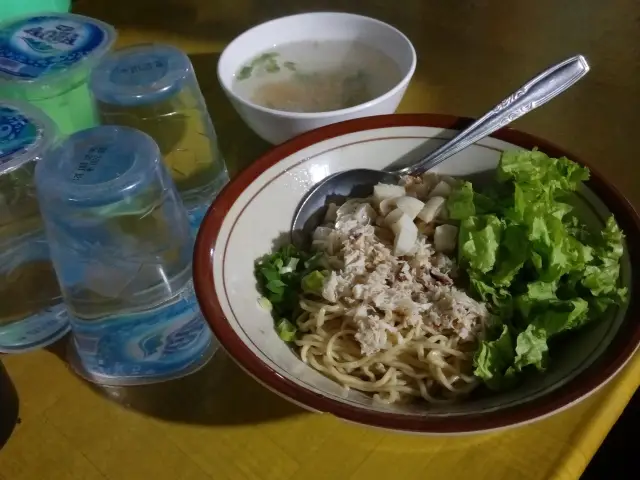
(26, 134)
(39, 47)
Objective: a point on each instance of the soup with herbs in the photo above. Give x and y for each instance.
(316, 76)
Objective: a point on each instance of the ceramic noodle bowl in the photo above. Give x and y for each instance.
(264, 198)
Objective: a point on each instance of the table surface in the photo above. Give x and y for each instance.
(219, 423)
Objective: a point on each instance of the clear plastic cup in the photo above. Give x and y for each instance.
(32, 314)
(46, 60)
(154, 88)
(118, 231)
(122, 246)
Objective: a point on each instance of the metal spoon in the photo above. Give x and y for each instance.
(359, 182)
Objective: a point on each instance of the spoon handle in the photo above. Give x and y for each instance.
(531, 95)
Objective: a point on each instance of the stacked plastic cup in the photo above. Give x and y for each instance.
(153, 88)
(32, 314)
(122, 247)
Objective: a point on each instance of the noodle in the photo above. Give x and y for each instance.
(401, 370)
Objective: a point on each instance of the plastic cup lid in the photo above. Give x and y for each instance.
(34, 48)
(140, 75)
(26, 133)
(99, 166)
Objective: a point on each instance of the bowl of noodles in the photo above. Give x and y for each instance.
(492, 292)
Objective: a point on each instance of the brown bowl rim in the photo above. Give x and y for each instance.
(611, 361)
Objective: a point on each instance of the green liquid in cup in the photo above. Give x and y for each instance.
(72, 110)
(17, 8)
(46, 61)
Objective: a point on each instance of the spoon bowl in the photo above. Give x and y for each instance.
(335, 188)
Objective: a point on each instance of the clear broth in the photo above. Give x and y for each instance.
(312, 76)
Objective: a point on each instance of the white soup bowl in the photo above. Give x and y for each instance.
(276, 126)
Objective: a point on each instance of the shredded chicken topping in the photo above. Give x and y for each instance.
(383, 292)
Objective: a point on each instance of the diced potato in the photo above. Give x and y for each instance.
(387, 205)
(406, 235)
(393, 217)
(430, 179)
(384, 190)
(410, 205)
(445, 238)
(419, 190)
(401, 223)
(432, 209)
(442, 189)
(443, 216)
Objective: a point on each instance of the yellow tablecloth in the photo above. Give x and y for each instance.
(218, 423)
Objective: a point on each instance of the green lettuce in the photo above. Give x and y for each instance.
(541, 271)
(534, 169)
(493, 358)
(460, 203)
(479, 239)
(538, 293)
(464, 202)
(512, 255)
(531, 348)
(601, 277)
(553, 316)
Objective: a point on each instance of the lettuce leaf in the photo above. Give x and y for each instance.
(512, 255)
(541, 271)
(534, 169)
(537, 293)
(493, 358)
(562, 315)
(601, 277)
(531, 348)
(479, 239)
(464, 202)
(460, 202)
(557, 316)
(548, 238)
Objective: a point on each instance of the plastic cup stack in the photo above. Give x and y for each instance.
(122, 246)
(153, 88)
(31, 311)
